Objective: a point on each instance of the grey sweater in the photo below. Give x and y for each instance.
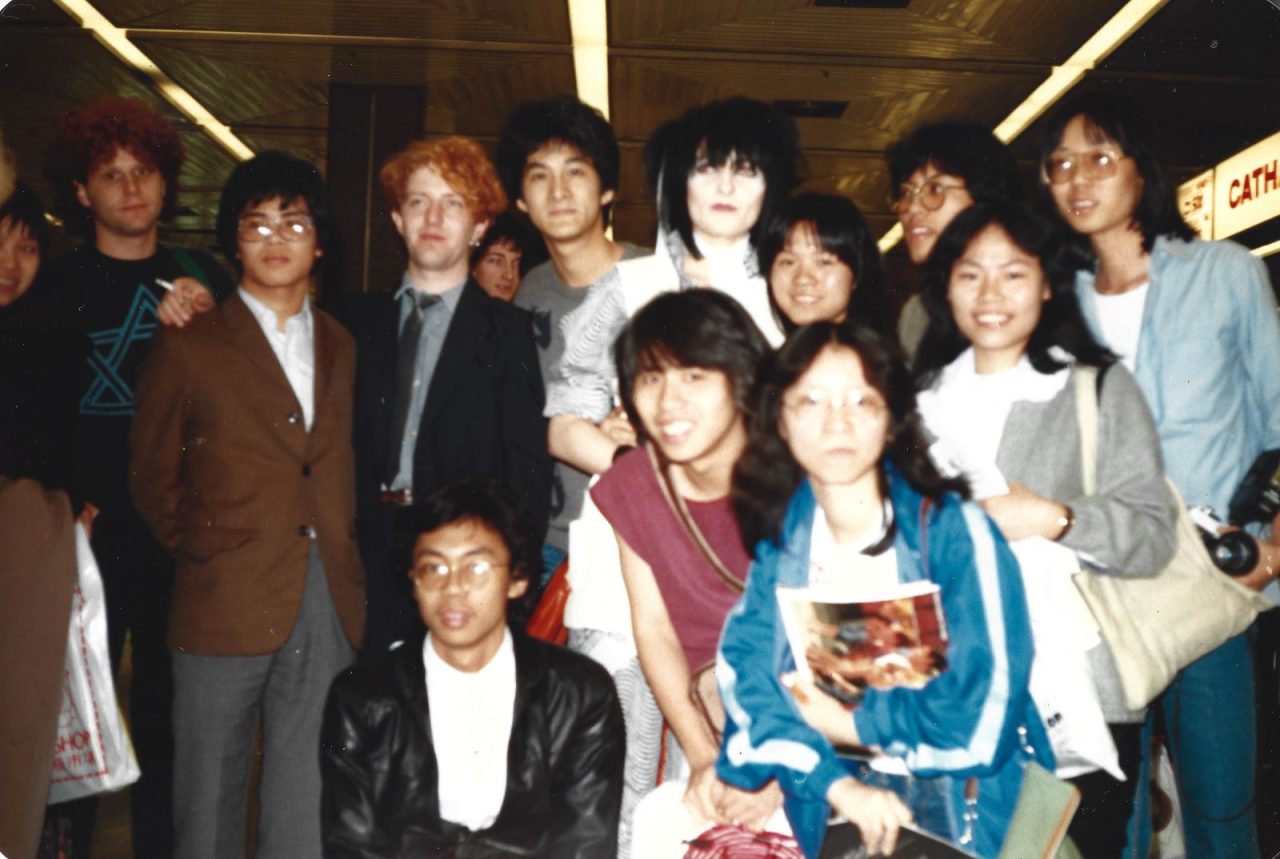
(1128, 524)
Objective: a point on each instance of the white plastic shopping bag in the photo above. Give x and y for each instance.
(1061, 683)
(93, 753)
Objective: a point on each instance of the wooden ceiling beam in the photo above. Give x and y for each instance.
(336, 39)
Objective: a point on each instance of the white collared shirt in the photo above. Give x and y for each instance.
(471, 715)
(294, 348)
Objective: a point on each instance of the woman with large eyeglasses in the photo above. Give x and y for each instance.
(836, 488)
(999, 366)
(1196, 323)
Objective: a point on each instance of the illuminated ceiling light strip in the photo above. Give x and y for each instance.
(588, 24)
(890, 238)
(1267, 249)
(1062, 78)
(1097, 48)
(117, 41)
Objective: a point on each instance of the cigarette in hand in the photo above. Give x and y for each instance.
(164, 284)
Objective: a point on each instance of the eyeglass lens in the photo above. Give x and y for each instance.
(931, 195)
(292, 228)
(470, 574)
(1098, 164)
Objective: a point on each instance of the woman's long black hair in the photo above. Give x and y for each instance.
(840, 229)
(1061, 323)
(1126, 123)
(767, 475)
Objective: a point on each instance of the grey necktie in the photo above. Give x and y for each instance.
(406, 370)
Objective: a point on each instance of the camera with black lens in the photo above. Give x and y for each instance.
(1256, 500)
(1233, 552)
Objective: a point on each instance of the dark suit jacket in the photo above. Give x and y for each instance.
(483, 413)
(229, 480)
(564, 763)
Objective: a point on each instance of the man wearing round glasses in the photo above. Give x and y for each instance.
(935, 173)
(243, 468)
(476, 741)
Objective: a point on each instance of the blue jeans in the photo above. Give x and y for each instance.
(1209, 716)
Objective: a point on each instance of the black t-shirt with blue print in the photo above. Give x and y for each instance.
(113, 303)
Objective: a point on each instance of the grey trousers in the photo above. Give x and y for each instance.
(216, 705)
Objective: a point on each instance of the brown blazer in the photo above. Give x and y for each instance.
(226, 475)
(37, 576)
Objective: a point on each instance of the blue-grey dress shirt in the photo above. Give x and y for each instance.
(434, 328)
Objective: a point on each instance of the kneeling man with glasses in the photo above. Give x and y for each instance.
(476, 741)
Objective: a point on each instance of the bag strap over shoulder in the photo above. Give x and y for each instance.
(1087, 381)
(676, 502)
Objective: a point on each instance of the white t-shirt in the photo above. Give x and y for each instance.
(845, 568)
(1120, 318)
(471, 716)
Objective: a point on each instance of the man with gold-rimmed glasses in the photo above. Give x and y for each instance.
(935, 173)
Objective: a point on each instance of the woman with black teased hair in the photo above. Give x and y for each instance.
(737, 136)
(719, 173)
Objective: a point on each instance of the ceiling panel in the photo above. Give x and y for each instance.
(1206, 38)
(987, 30)
(1205, 67)
(533, 21)
(883, 103)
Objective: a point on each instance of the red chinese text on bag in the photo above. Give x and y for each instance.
(93, 753)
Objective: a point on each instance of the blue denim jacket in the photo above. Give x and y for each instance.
(1208, 363)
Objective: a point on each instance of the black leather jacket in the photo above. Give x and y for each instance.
(564, 763)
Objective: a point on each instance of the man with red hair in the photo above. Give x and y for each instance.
(114, 168)
(447, 379)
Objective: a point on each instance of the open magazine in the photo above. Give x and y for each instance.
(846, 642)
